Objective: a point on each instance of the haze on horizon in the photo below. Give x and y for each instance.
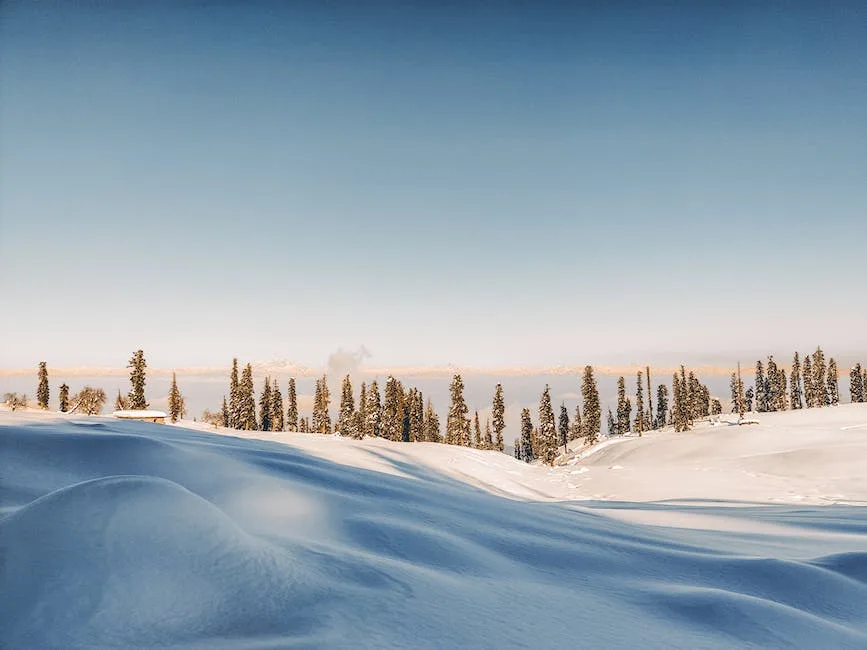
(529, 185)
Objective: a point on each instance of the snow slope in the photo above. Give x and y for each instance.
(127, 534)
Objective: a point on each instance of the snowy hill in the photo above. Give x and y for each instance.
(126, 534)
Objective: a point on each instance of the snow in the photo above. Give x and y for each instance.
(141, 413)
(129, 534)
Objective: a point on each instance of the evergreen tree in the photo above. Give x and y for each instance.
(809, 393)
(120, 402)
(360, 424)
(42, 387)
(277, 420)
(715, 407)
(373, 426)
(640, 419)
(740, 395)
(346, 417)
(392, 410)
(137, 364)
(64, 398)
(795, 390)
(592, 409)
(177, 406)
(225, 416)
(678, 406)
(577, 430)
(761, 395)
(324, 414)
(457, 423)
(432, 424)
(234, 398)
(564, 427)
(499, 415)
(749, 399)
(417, 431)
(856, 384)
(526, 446)
(406, 410)
(833, 385)
(733, 387)
(291, 407)
(612, 424)
(547, 429)
(623, 408)
(772, 385)
(265, 406)
(477, 432)
(661, 405)
(822, 397)
(489, 439)
(649, 416)
(247, 401)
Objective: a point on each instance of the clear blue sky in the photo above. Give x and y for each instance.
(525, 184)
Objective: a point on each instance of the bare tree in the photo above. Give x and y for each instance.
(89, 401)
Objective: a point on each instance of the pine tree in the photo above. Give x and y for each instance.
(795, 389)
(612, 424)
(137, 364)
(177, 406)
(564, 427)
(247, 401)
(640, 420)
(833, 385)
(661, 406)
(733, 388)
(392, 410)
(417, 431)
(773, 384)
(42, 388)
(649, 417)
(761, 395)
(499, 415)
(120, 402)
(526, 452)
(477, 432)
(740, 395)
(265, 406)
(431, 424)
(822, 397)
(291, 406)
(809, 392)
(234, 398)
(457, 423)
(360, 423)
(577, 430)
(547, 429)
(856, 384)
(406, 418)
(489, 438)
(749, 399)
(680, 399)
(715, 407)
(592, 409)
(346, 417)
(276, 410)
(225, 416)
(623, 424)
(324, 406)
(373, 426)
(64, 398)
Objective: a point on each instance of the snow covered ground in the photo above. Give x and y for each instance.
(126, 534)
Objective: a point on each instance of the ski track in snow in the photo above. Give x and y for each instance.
(124, 534)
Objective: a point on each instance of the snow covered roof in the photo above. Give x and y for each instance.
(138, 414)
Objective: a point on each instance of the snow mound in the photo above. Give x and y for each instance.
(139, 535)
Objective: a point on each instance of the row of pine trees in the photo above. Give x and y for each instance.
(401, 413)
(814, 383)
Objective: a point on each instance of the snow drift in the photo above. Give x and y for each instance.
(126, 534)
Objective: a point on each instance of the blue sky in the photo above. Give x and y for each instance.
(526, 184)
